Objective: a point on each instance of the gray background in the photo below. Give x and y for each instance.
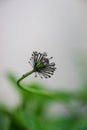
(58, 27)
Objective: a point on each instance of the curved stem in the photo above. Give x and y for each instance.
(23, 77)
(32, 90)
(51, 94)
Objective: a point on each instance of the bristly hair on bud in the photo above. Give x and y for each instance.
(42, 65)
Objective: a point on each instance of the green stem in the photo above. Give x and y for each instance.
(51, 94)
(23, 77)
(32, 90)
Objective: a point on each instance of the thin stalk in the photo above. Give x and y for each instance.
(32, 90)
(53, 95)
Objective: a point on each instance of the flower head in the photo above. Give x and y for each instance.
(41, 64)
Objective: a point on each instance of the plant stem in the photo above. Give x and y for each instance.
(23, 77)
(50, 94)
(32, 90)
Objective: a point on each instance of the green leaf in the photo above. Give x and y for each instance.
(27, 119)
(61, 123)
(4, 122)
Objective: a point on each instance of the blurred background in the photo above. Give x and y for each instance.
(58, 27)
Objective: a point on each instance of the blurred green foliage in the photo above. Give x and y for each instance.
(31, 114)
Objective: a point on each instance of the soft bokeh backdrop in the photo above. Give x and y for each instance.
(58, 27)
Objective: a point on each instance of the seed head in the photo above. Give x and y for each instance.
(42, 65)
